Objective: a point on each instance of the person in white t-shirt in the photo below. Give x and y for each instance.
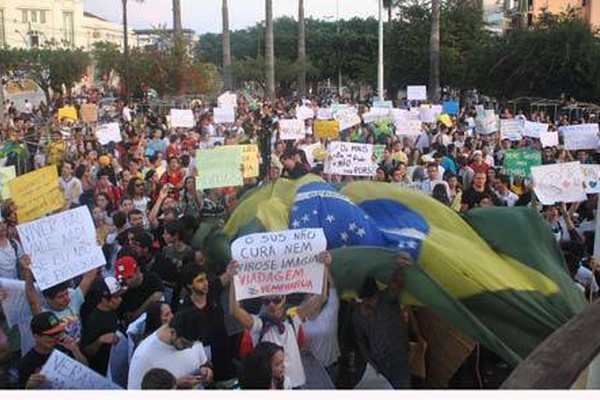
(172, 347)
(70, 185)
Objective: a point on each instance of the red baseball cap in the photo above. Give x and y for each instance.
(125, 267)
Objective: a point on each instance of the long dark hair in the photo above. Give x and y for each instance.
(256, 370)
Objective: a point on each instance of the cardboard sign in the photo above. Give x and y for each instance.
(591, 176)
(451, 107)
(511, 129)
(89, 113)
(62, 246)
(534, 129)
(556, 183)
(580, 137)
(416, 92)
(67, 113)
(250, 160)
(279, 263)
(326, 129)
(64, 373)
(219, 167)
(182, 118)
(519, 162)
(355, 159)
(36, 193)
(549, 139)
(109, 133)
(15, 306)
(291, 129)
(227, 100)
(224, 115)
(7, 174)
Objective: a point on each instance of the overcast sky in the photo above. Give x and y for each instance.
(205, 15)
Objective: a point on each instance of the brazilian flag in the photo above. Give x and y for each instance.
(497, 274)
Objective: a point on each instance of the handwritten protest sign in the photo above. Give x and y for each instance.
(15, 306)
(354, 159)
(416, 92)
(427, 114)
(291, 129)
(511, 129)
(36, 193)
(277, 263)
(408, 128)
(348, 118)
(250, 160)
(555, 183)
(224, 115)
(591, 176)
(227, 100)
(108, 133)
(326, 129)
(62, 246)
(219, 167)
(89, 113)
(325, 113)
(486, 125)
(519, 162)
(305, 113)
(534, 129)
(64, 373)
(182, 118)
(450, 107)
(67, 113)
(7, 174)
(580, 137)
(549, 139)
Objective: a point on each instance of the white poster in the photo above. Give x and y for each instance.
(580, 137)
(556, 183)
(224, 115)
(325, 113)
(291, 129)
(182, 118)
(108, 133)
(416, 92)
(62, 246)
(310, 150)
(278, 263)
(65, 373)
(549, 139)
(408, 128)
(486, 125)
(428, 115)
(534, 129)
(15, 306)
(227, 100)
(348, 118)
(305, 113)
(354, 159)
(511, 129)
(591, 176)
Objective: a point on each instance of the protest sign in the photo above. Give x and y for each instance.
(450, 107)
(348, 118)
(305, 113)
(511, 129)
(486, 125)
(224, 115)
(326, 129)
(311, 150)
(416, 92)
(278, 263)
(549, 139)
(534, 129)
(64, 373)
(291, 129)
(580, 137)
(62, 246)
(219, 167)
(109, 133)
(556, 183)
(216, 140)
(383, 104)
(36, 193)
(325, 114)
(15, 306)
(427, 115)
(89, 113)
(250, 160)
(519, 162)
(591, 176)
(67, 113)
(408, 128)
(446, 120)
(7, 174)
(182, 118)
(354, 159)
(227, 100)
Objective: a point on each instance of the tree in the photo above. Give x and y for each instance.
(301, 48)
(227, 74)
(434, 50)
(126, 46)
(269, 51)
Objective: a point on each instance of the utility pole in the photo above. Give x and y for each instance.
(380, 62)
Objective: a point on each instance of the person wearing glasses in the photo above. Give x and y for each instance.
(275, 325)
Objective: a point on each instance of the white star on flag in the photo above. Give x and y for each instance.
(330, 218)
(296, 224)
(412, 245)
(361, 232)
(305, 218)
(315, 212)
(352, 227)
(344, 236)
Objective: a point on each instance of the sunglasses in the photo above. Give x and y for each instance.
(274, 300)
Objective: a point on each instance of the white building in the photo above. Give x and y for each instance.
(31, 23)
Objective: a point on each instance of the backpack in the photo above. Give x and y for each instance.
(247, 344)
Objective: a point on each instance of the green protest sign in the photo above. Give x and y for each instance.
(220, 167)
(519, 162)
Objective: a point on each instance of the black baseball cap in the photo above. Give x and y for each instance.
(46, 323)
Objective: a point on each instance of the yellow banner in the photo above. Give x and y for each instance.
(69, 113)
(326, 129)
(250, 160)
(36, 194)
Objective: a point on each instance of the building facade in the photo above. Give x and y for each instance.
(525, 12)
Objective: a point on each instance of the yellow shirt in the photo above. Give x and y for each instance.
(56, 152)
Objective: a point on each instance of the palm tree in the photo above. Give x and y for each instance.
(301, 48)
(126, 46)
(434, 52)
(177, 27)
(269, 51)
(227, 77)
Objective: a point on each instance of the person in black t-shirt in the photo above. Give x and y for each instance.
(99, 329)
(142, 288)
(49, 334)
(479, 194)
